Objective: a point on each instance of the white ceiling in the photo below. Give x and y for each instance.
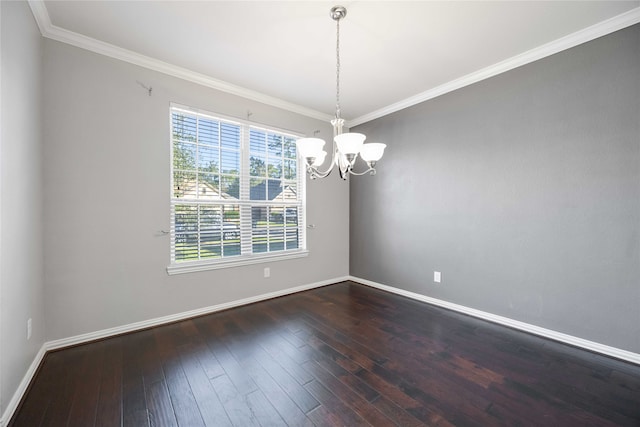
(390, 51)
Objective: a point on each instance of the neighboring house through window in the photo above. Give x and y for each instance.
(237, 193)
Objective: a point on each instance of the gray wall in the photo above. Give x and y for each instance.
(21, 235)
(523, 190)
(107, 193)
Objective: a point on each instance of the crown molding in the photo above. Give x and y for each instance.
(50, 31)
(600, 29)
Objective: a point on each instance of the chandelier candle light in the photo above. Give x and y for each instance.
(346, 146)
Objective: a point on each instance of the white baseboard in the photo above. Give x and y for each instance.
(105, 333)
(132, 327)
(22, 387)
(617, 353)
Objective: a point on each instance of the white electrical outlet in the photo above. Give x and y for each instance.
(267, 272)
(29, 329)
(437, 276)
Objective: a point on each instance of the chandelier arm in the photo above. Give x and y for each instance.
(344, 174)
(371, 171)
(344, 166)
(319, 174)
(315, 173)
(334, 161)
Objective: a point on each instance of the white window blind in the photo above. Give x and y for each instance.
(237, 193)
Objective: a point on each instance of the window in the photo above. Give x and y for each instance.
(237, 193)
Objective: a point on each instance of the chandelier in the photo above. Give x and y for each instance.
(346, 146)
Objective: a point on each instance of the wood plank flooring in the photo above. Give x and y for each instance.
(342, 355)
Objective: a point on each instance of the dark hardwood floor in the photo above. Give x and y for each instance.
(342, 355)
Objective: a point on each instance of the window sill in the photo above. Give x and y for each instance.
(194, 266)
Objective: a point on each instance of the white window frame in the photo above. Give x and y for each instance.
(246, 257)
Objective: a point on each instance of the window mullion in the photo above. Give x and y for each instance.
(301, 202)
(246, 247)
(198, 228)
(197, 171)
(283, 168)
(219, 153)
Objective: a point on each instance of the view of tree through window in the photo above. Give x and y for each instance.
(224, 205)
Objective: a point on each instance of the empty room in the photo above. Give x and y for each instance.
(310, 213)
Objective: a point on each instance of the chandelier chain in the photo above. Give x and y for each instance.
(337, 68)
